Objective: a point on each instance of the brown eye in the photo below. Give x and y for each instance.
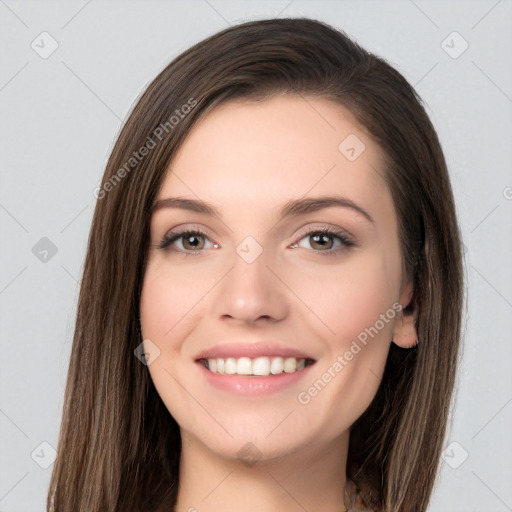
(192, 242)
(321, 240)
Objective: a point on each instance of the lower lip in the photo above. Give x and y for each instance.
(253, 385)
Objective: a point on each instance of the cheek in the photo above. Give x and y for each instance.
(170, 310)
(349, 298)
(168, 297)
(159, 306)
(356, 304)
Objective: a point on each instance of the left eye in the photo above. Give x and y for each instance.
(320, 238)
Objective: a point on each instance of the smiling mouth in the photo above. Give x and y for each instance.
(256, 367)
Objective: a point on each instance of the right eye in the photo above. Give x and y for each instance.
(190, 241)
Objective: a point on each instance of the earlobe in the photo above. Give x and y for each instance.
(404, 334)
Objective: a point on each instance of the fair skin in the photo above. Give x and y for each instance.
(248, 159)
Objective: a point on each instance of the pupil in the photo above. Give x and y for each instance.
(325, 238)
(192, 237)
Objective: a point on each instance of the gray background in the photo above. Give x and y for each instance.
(61, 114)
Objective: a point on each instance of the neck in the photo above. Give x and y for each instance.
(312, 478)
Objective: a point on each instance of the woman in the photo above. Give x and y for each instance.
(270, 310)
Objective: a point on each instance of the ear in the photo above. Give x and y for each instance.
(404, 334)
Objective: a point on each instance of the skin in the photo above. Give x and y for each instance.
(248, 159)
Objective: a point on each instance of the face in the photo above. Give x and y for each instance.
(264, 278)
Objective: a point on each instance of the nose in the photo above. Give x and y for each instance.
(251, 292)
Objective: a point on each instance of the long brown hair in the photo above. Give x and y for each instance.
(119, 447)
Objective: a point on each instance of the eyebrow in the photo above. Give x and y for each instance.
(291, 208)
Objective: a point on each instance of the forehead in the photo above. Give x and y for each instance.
(248, 153)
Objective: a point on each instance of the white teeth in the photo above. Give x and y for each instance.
(244, 366)
(257, 366)
(290, 364)
(261, 366)
(276, 366)
(230, 366)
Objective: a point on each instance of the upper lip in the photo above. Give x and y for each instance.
(252, 350)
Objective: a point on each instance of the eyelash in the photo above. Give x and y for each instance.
(173, 236)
